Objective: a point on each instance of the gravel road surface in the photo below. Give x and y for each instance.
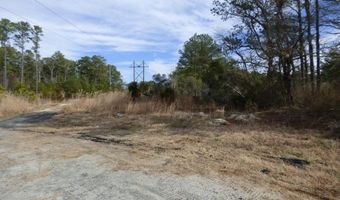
(45, 166)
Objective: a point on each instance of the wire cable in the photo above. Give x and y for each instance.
(32, 22)
(63, 18)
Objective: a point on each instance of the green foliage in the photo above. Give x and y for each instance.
(6, 28)
(195, 75)
(160, 87)
(72, 87)
(197, 54)
(222, 81)
(134, 90)
(47, 90)
(331, 68)
(87, 87)
(189, 85)
(52, 90)
(37, 33)
(2, 89)
(146, 88)
(98, 74)
(24, 91)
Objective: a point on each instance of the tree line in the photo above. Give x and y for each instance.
(281, 37)
(25, 70)
(272, 57)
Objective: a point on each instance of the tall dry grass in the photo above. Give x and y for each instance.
(111, 103)
(328, 98)
(12, 105)
(188, 103)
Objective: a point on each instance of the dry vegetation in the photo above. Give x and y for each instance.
(164, 139)
(153, 135)
(12, 105)
(185, 144)
(328, 98)
(118, 102)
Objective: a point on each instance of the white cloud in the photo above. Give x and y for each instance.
(113, 26)
(161, 66)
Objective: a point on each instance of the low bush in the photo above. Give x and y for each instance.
(23, 91)
(134, 90)
(72, 87)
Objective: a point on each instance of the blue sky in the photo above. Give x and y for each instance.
(119, 30)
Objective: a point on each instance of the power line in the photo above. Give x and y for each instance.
(61, 17)
(137, 73)
(13, 13)
(32, 22)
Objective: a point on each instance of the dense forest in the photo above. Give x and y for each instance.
(274, 56)
(25, 72)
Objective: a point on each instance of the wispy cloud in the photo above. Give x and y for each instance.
(161, 66)
(115, 26)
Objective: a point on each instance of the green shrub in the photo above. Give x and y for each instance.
(146, 88)
(72, 87)
(87, 87)
(2, 89)
(22, 90)
(46, 89)
(134, 90)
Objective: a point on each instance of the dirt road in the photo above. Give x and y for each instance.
(35, 163)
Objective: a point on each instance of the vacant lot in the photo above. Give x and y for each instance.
(291, 163)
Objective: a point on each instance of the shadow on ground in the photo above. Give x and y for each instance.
(26, 120)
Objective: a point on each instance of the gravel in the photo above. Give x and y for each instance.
(25, 175)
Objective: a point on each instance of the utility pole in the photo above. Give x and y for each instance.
(134, 71)
(138, 71)
(110, 76)
(143, 71)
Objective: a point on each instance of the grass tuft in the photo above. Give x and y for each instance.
(12, 105)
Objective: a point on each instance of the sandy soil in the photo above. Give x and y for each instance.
(46, 155)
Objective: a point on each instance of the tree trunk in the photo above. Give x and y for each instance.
(317, 42)
(39, 75)
(22, 67)
(310, 44)
(292, 76)
(65, 72)
(51, 74)
(306, 65)
(271, 68)
(5, 83)
(286, 68)
(280, 68)
(243, 61)
(301, 45)
(36, 74)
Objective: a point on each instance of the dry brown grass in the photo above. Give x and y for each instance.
(183, 143)
(108, 102)
(327, 99)
(112, 103)
(12, 105)
(188, 103)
